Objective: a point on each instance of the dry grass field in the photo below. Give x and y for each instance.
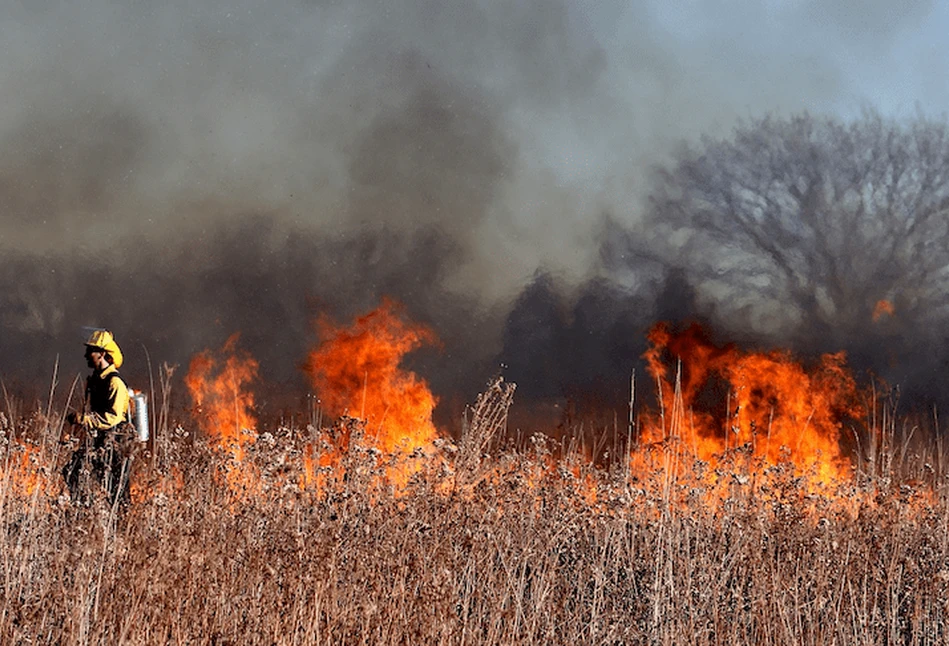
(316, 537)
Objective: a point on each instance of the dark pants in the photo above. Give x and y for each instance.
(103, 461)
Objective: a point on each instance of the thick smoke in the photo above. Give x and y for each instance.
(179, 172)
(268, 283)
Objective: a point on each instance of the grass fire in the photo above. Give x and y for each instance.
(474, 323)
(756, 499)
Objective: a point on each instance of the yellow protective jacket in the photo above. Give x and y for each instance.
(107, 400)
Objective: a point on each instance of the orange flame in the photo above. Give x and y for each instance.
(767, 403)
(223, 405)
(356, 371)
(22, 471)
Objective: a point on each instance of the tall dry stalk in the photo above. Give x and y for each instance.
(532, 552)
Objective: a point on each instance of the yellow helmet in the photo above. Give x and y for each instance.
(104, 341)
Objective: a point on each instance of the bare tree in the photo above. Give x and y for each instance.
(812, 225)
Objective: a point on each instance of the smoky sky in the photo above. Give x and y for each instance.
(180, 171)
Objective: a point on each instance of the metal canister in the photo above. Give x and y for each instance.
(139, 415)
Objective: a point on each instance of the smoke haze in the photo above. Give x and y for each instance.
(179, 171)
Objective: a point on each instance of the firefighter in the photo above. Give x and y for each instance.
(103, 455)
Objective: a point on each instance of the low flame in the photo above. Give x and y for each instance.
(223, 402)
(23, 471)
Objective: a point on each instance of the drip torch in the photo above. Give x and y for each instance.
(139, 414)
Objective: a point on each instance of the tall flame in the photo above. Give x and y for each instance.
(356, 371)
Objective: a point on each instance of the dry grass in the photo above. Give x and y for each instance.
(509, 548)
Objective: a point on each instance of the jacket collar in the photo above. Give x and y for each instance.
(108, 371)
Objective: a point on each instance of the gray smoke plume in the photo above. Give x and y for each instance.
(179, 171)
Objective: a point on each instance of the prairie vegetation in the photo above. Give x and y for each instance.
(476, 545)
